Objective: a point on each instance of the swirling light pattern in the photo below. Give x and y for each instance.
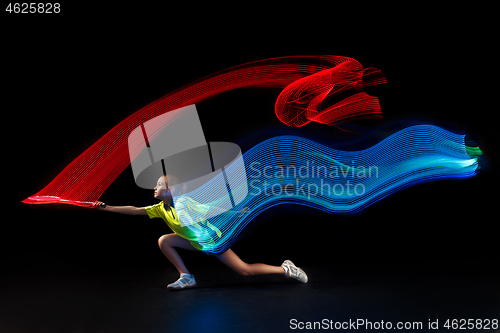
(309, 84)
(291, 169)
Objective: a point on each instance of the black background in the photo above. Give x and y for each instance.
(68, 79)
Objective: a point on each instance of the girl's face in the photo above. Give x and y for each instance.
(161, 189)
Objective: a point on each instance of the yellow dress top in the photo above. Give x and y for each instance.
(191, 225)
(169, 215)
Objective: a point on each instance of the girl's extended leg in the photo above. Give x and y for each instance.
(234, 262)
(167, 243)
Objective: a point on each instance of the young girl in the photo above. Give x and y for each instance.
(184, 238)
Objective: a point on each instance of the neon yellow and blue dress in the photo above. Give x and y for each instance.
(187, 221)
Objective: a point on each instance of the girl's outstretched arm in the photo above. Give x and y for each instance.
(128, 210)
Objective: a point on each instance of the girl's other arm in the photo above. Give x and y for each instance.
(127, 210)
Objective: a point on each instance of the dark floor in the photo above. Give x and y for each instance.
(53, 295)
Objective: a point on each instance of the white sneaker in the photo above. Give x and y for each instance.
(185, 281)
(293, 271)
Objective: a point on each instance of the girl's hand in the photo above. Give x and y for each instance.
(99, 205)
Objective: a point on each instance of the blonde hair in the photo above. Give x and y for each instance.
(173, 181)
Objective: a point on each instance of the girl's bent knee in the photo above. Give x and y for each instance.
(163, 240)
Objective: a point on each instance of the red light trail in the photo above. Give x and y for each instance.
(308, 82)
